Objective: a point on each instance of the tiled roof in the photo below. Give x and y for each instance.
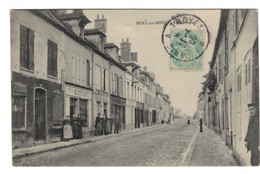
(111, 45)
(74, 15)
(93, 31)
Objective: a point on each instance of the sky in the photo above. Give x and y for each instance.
(183, 87)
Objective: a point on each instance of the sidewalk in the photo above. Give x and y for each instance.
(62, 144)
(208, 149)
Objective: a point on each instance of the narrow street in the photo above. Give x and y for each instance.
(163, 146)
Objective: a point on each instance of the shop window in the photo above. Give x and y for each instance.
(73, 106)
(52, 58)
(84, 111)
(18, 112)
(26, 48)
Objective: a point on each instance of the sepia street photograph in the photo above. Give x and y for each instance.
(134, 87)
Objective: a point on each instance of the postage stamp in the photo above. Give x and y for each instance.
(185, 38)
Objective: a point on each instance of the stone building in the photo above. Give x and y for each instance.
(235, 64)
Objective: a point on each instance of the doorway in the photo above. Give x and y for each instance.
(40, 114)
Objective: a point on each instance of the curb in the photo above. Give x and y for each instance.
(188, 155)
(87, 140)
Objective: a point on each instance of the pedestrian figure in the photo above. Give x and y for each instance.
(98, 125)
(106, 126)
(102, 123)
(74, 124)
(188, 121)
(111, 125)
(252, 136)
(67, 129)
(116, 123)
(79, 122)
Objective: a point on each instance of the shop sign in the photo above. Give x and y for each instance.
(118, 101)
(78, 92)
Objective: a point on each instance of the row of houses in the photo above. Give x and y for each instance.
(232, 81)
(59, 69)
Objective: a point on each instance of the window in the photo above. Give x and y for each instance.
(98, 77)
(73, 106)
(226, 53)
(121, 87)
(248, 72)
(128, 89)
(26, 48)
(52, 58)
(84, 110)
(18, 112)
(88, 73)
(137, 99)
(239, 80)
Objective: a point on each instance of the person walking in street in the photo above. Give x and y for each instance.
(102, 123)
(252, 136)
(116, 122)
(98, 124)
(111, 125)
(106, 125)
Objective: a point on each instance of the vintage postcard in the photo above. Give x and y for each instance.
(128, 87)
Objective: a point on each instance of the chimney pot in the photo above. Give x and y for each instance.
(122, 39)
(102, 16)
(127, 39)
(97, 16)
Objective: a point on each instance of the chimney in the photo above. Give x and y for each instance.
(125, 50)
(134, 57)
(145, 68)
(101, 24)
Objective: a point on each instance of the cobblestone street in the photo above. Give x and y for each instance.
(164, 146)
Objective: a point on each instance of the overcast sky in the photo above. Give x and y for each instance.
(183, 87)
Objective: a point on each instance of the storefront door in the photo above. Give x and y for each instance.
(40, 114)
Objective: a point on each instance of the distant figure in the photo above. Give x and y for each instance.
(67, 129)
(188, 121)
(252, 136)
(98, 124)
(116, 123)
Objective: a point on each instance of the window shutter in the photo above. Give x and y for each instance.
(31, 50)
(58, 110)
(107, 79)
(23, 46)
(49, 68)
(54, 60)
(102, 78)
(90, 71)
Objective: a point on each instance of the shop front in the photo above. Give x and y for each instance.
(101, 103)
(117, 110)
(78, 102)
(139, 115)
(130, 111)
(146, 115)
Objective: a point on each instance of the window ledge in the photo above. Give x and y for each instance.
(27, 70)
(19, 130)
(52, 77)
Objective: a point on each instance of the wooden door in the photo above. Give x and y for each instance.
(40, 114)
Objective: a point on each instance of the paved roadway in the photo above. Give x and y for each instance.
(163, 146)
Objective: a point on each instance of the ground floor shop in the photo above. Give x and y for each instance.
(101, 104)
(139, 115)
(78, 102)
(37, 111)
(117, 110)
(130, 113)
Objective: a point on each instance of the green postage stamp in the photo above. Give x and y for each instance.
(185, 38)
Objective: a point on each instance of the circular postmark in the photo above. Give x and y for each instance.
(185, 37)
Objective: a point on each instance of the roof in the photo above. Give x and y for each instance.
(111, 45)
(221, 29)
(94, 31)
(78, 14)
